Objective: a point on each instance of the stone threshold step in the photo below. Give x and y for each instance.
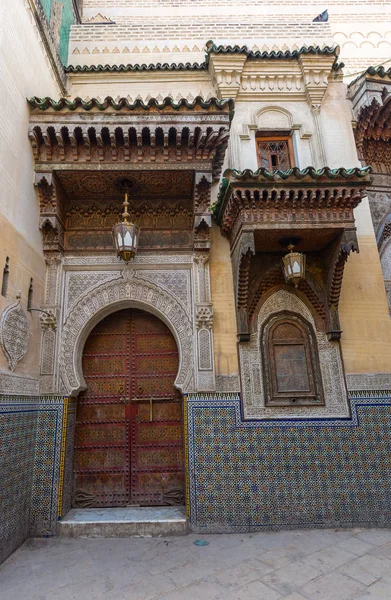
(124, 522)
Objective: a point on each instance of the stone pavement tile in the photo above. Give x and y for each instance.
(333, 586)
(85, 590)
(47, 581)
(381, 590)
(355, 545)
(202, 591)
(377, 537)
(253, 591)
(191, 573)
(291, 577)
(294, 596)
(367, 569)
(11, 572)
(384, 550)
(124, 575)
(151, 588)
(278, 557)
(329, 558)
(166, 561)
(242, 573)
(277, 539)
(318, 539)
(231, 539)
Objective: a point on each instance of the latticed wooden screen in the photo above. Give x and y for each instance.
(274, 154)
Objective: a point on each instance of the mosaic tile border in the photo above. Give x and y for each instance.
(376, 397)
(202, 413)
(49, 415)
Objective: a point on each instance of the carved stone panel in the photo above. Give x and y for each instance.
(129, 288)
(14, 333)
(253, 376)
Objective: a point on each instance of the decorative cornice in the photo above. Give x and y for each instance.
(259, 174)
(212, 48)
(122, 103)
(136, 68)
(378, 71)
(292, 177)
(88, 131)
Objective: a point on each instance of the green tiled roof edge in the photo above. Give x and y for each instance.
(211, 48)
(274, 176)
(46, 102)
(379, 71)
(136, 68)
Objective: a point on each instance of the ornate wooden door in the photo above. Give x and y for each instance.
(129, 436)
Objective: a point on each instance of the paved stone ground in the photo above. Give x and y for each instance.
(296, 565)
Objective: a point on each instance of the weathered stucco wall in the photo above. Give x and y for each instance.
(25, 72)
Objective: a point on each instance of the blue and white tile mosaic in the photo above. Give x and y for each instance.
(252, 475)
(30, 454)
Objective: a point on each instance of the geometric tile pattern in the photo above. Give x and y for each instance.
(253, 475)
(243, 475)
(30, 453)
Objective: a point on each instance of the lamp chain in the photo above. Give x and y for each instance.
(125, 214)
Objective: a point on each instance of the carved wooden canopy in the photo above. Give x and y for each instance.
(370, 94)
(191, 135)
(257, 210)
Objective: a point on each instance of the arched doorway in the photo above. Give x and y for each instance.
(129, 433)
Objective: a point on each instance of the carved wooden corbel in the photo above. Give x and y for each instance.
(346, 244)
(241, 259)
(202, 216)
(51, 220)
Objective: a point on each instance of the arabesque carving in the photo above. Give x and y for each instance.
(330, 362)
(14, 333)
(112, 295)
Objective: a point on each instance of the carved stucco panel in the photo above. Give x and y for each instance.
(176, 281)
(78, 283)
(131, 289)
(330, 360)
(14, 333)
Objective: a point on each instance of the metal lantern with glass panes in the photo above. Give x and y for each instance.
(293, 265)
(126, 235)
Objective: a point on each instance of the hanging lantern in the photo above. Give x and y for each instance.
(126, 235)
(293, 265)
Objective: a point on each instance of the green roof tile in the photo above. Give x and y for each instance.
(265, 176)
(109, 102)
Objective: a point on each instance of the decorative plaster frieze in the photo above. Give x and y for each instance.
(23, 385)
(204, 316)
(305, 78)
(130, 290)
(14, 333)
(139, 259)
(48, 319)
(334, 387)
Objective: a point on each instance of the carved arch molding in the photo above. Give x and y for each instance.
(252, 367)
(128, 291)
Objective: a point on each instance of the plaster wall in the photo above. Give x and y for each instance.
(25, 263)
(24, 70)
(224, 317)
(362, 29)
(134, 85)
